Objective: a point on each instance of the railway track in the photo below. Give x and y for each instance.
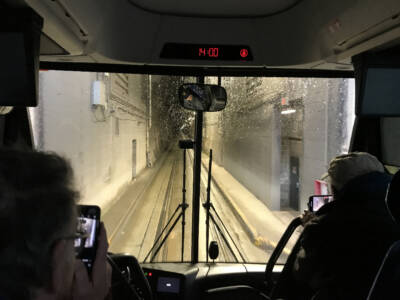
(141, 225)
(121, 223)
(164, 217)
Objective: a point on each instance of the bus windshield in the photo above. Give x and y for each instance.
(269, 146)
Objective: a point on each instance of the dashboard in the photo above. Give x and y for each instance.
(170, 281)
(187, 281)
(181, 281)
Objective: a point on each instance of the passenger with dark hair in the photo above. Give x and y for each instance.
(343, 245)
(38, 222)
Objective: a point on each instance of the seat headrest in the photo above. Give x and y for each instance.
(393, 197)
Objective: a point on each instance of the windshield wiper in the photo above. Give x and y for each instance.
(208, 206)
(183, 144)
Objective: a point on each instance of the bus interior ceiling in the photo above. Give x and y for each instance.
(293, 62)
(85, 31)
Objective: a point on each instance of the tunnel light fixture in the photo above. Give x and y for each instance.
(288, 111)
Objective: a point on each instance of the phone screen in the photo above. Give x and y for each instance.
(87, 227)
(317, 201)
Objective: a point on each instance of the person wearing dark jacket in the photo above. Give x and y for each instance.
(38, 219)
(343, 245)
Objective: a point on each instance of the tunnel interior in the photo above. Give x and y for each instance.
(120, 133)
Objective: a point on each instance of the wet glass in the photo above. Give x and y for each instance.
(270, 147)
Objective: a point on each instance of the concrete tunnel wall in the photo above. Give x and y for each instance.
(249, 157)
(98, 143)
(254, 157)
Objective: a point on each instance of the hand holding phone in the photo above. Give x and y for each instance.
(88, 224)
(98, 285)
(315, 202)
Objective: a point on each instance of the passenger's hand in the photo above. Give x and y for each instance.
(306, 217)
(99, 285)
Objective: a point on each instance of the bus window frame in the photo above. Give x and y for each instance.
(195, 71)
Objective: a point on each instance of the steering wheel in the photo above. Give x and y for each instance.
(128, 280)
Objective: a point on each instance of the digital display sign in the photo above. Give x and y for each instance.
(168, 285)
(206, 52)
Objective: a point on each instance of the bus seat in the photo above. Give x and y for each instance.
(278, 289)
(286, 287)
(392, 198)
(385, 285)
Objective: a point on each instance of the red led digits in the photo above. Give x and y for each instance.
(244, 53)
(213, 52)
(209, 52)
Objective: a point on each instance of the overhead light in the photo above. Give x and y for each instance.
(288, 111)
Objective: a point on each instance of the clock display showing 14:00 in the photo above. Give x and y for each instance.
(209, 52)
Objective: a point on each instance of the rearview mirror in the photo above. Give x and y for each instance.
(202, 97)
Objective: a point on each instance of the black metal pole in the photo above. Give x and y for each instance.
(198, 139)
(2, 129)
(184, 204)
(278, 251)
(208, 203)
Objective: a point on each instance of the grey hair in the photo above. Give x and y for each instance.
(37, 203)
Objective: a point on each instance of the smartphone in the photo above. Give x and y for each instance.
(315, 202)
(88, 225)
